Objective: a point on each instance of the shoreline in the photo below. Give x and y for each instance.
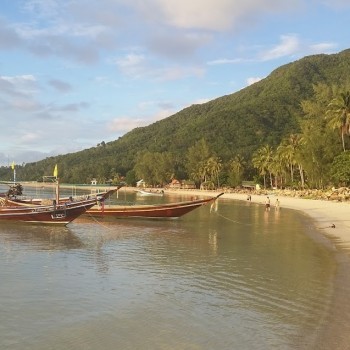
(324, 213)
(330, 217)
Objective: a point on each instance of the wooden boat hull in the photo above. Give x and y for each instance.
(40, 214)
(172, 210)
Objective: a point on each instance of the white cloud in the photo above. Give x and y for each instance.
(137, 66)
(162, 114)
(253, 80)
(29, 137)
(323, 48)
(201, 101)
(122, 125)
(23, 83)
(130, 61)
(224, 61)
(9, 38)
(19, 93)
(217, 15)
(289, 45)
(133, 65)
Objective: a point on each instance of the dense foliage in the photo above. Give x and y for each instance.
(300, 113)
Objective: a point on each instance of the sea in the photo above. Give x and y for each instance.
(230, 276)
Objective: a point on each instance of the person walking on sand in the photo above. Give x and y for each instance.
(277, 204)
(267, 204)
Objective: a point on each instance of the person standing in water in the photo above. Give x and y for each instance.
(267, 204)
(277, 204)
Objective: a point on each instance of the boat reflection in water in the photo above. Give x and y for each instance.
(39, 237)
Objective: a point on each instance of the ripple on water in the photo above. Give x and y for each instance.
(201, 282)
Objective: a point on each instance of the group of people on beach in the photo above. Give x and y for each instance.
(267, 203)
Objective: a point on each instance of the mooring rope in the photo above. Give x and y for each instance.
(98, 222)
(214, 208)
(229, 219)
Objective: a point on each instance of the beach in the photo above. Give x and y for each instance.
(330, 217)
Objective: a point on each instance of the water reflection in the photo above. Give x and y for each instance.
(39, 237)
(213, 241)
(209, 280)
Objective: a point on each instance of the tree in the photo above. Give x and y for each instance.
(155, 168)
(319, 142)
(262, 160)
(236, 170)
(338, 115)
(340, 169)
(196, 158)
(213, 167)
(130, 178)
(290, 151)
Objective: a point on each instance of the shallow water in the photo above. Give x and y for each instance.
(240, 278)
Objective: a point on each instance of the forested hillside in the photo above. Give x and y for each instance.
(230, 127)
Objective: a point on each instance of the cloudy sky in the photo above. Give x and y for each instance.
(74, 73)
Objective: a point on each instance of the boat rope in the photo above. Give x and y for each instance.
(214, 208)
(98, 222)
(229, 219)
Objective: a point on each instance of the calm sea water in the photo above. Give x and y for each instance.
(240, 278)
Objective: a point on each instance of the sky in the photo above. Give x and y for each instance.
(74, 73)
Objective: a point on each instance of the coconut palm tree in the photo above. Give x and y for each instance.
(213, 167)
(338, 115)
(236, 169)
(262, 160)
(289, 151)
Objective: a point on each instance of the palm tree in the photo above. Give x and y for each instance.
(289, 151)
(338, 115)
(262, 160)
(213, 167)
(280, 164)
(217, 166)
(236, 169)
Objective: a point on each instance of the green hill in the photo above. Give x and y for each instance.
(240, 123)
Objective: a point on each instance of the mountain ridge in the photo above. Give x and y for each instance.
(237, 123)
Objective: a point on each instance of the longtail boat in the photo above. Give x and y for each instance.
(21, 199)
(170, 210)
(58, 214)
(58, 211)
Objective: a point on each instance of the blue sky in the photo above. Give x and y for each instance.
(74, 73)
